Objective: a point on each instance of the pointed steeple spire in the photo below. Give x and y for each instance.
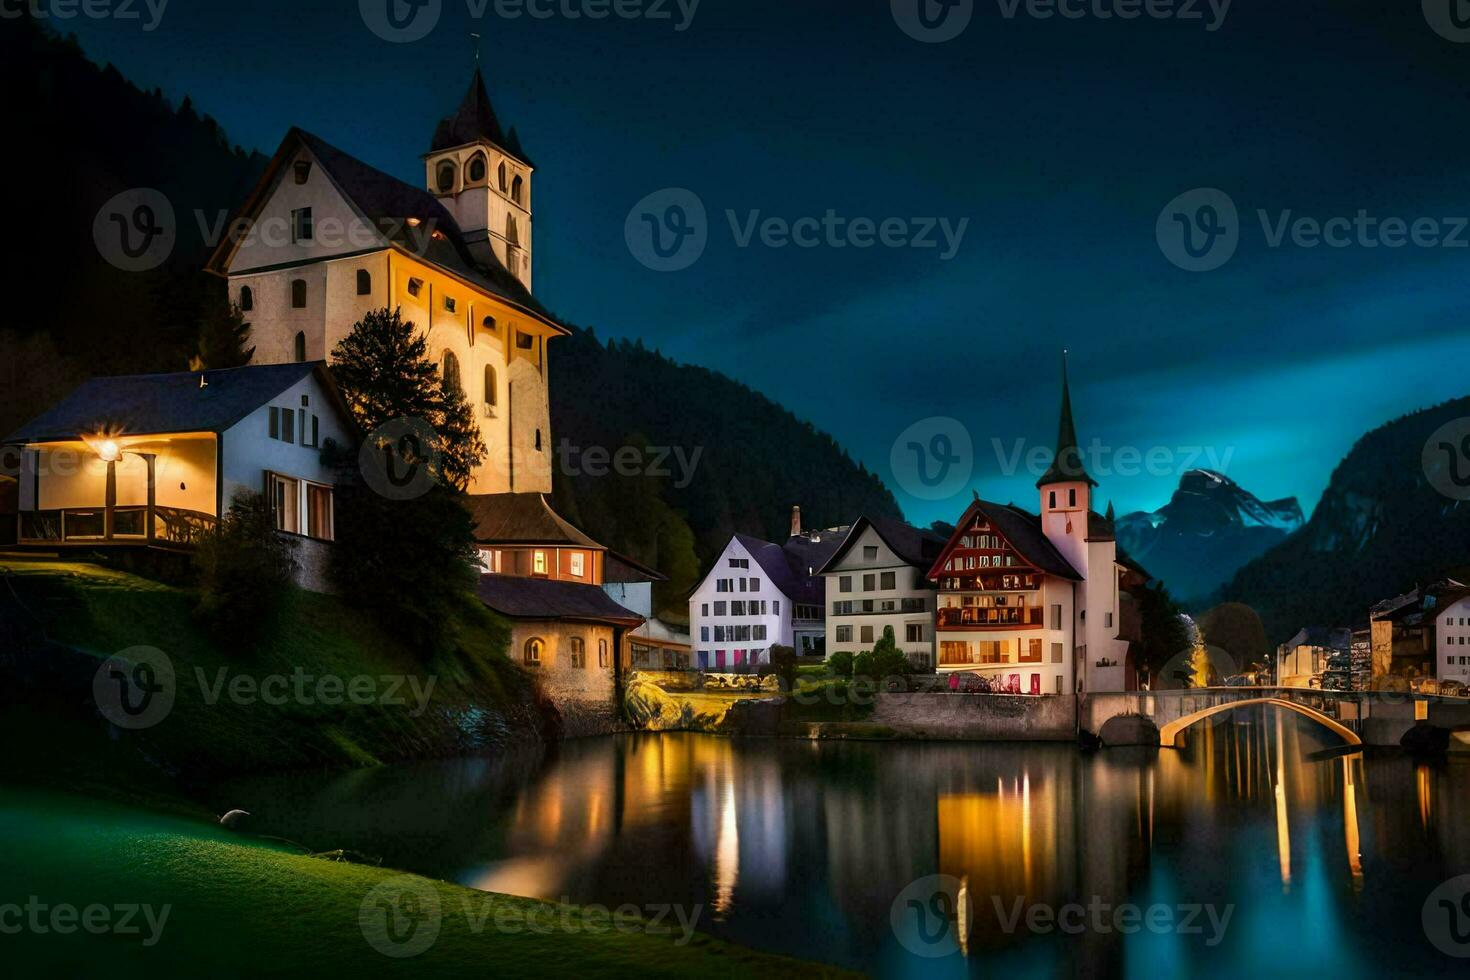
(1111, 514)
(473, 121)
(1066, 463)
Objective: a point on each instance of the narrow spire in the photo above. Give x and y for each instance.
(1066, 463)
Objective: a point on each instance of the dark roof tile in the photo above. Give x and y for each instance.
(537, 598)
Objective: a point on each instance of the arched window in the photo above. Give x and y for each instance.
(300, 347)
(475, 172)
(445, 176)
(502, 176)
(488, 324)
(490, 386)
(298, 294)
(535, 647)
(247, 299)
(516, 187)
(364, 282)
(450, 372)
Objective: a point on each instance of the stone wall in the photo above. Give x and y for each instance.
(583, 697)
(313, 564)
(978, 717)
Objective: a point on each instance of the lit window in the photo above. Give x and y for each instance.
(319, 510)
(534, 649)
(538, 563)
(285, 501)
(576, 563)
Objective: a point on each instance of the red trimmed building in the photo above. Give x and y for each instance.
(1036, 602)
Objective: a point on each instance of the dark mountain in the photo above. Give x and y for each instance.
(1380, 529)
(1205, 533)
(74, 315)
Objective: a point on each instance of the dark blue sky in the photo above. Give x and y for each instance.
(1061, 141)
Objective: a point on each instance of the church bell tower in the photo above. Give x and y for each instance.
(483, 178)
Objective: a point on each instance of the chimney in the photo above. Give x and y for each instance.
(795, 521)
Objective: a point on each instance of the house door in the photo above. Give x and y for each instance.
(1035, 683)
(719, 660)
(704, 660)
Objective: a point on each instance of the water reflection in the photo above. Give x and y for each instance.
(802, 847)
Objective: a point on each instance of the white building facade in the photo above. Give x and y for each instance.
(737, 612)
(1452, 641)
(877, 580)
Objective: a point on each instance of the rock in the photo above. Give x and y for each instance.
(234, 820)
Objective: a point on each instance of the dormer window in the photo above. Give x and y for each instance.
(445, 178)
(476, 170)
(301, 225)
(415, 286)
(301, 170)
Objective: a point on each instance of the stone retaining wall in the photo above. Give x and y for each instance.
(978, 717)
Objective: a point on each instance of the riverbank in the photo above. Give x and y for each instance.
(100, 885)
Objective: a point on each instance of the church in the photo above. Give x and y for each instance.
(1038, 603)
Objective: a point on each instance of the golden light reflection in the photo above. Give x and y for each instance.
(1350, 821)
(727, 850)
(1425, 788)
(1283, 830)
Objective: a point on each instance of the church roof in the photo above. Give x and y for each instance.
(1066, 463)
(387, 204)
(523, 519)
(475, 120)
(153, 404)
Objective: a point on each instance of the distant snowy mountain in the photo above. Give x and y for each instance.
(1209, 529)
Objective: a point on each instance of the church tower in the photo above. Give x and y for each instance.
(1066, 489)
(483, 178)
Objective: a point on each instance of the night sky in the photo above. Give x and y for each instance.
(1060, 140)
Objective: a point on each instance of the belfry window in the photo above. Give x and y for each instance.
(475, 172)
(445, 176)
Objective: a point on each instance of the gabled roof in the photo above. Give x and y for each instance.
(473, 121)
(539, 598)
(792, 568)
(523, 519)
(387, 203)
(912, 545)
(151, 404)
(1023, 532)
(621, 568)
(1066, 462)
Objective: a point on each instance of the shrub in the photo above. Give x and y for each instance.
(245, 571)
(783, 661)
(840, 663)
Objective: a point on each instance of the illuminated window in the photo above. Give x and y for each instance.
(577, 565)
(285, 502)
(535, 647)
(538, 563)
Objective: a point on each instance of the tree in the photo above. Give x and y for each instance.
(783, 664)
(409, 559)
(223, 335)
(840, 663)
(884, 660)
(1165, 632)
(245, 569)
(385, 374)
(1236, 628)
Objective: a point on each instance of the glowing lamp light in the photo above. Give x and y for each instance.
(108, 450)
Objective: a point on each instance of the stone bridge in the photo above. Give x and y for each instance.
(1357, 717)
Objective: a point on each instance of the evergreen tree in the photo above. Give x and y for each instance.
(385, 373)
(223, 335)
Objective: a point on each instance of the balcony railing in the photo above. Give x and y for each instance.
(977, 617)
(79, 525)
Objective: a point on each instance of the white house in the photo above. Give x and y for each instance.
(877, 579)
(1452, 638)
(760, 594)
(1035, 602)
(155, 459)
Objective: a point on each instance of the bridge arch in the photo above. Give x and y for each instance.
(1169, 734)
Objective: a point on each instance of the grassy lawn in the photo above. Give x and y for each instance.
(237, 907)
(477, 697)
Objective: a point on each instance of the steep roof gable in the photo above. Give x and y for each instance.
(1019, 529)
(912, 545)
(475, 120)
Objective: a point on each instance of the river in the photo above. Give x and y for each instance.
(1257, 849)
